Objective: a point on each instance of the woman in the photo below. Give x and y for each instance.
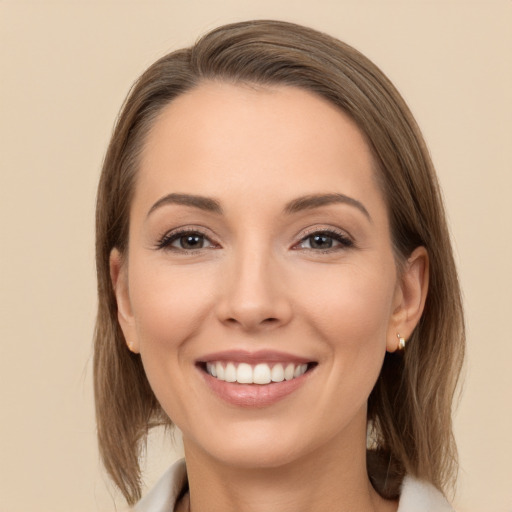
(275, 278)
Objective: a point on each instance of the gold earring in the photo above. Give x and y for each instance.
(401, 342)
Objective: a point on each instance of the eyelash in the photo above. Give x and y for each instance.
(166, 241)
(345, 242)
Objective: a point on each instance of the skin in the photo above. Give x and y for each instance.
(259, 284)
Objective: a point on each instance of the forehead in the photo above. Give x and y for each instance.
(223, 137)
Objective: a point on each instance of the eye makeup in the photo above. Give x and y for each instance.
(191, 239)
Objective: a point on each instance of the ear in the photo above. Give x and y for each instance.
(119, 278)
(410, 296)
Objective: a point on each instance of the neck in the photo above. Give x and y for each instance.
(332, 478)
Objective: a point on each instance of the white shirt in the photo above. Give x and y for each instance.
(416, 496)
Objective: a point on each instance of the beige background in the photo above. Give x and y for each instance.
(65, 67)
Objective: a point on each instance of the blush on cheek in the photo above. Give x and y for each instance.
(166, 323)
(352, 314)
(169, 302)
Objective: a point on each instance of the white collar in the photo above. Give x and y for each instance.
(163, 496)
(416, 496)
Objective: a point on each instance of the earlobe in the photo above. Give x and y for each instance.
(119, 278)
(411, 296)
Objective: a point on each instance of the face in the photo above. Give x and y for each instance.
(260, 286)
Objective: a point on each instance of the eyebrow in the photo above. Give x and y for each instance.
(203, 203)
(299, 204)
(317, 200)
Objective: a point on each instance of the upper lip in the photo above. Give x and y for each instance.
(259, 356)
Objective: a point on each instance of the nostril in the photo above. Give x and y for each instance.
(265, 321)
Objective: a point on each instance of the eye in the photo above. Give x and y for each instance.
(186, 241)
(325, 241)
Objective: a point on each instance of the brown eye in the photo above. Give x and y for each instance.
(320, 242)
(185, 241)
(188, 242)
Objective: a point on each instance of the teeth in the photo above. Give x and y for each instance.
(278, 373)
(230, 373)
(299, 370)
(244, 373)
(219, 369)
(289, 371)
(261, 373)
(211, 369)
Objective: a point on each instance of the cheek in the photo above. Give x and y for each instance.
(348, 311)
(350, 306)
(169, 304)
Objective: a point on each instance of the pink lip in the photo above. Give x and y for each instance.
(260, 356)
(253, 395)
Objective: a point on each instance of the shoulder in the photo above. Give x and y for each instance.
(420, 496)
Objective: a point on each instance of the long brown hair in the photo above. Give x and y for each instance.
(409, 410)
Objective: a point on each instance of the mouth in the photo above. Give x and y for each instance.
(254, 379)
(260, 373)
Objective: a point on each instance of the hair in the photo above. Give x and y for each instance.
(409, 409)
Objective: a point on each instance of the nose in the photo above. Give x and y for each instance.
(253, 293)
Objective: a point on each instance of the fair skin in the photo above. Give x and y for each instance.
(252, 270)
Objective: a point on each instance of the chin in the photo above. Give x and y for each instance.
(256, 446)
(270, 443)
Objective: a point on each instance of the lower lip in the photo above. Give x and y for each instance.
(254, 395)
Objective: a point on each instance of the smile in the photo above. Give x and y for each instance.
(261, 373)
(254, 379)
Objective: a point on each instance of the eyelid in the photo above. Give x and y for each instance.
(164, 241)
(322, 228)
(342, 236)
